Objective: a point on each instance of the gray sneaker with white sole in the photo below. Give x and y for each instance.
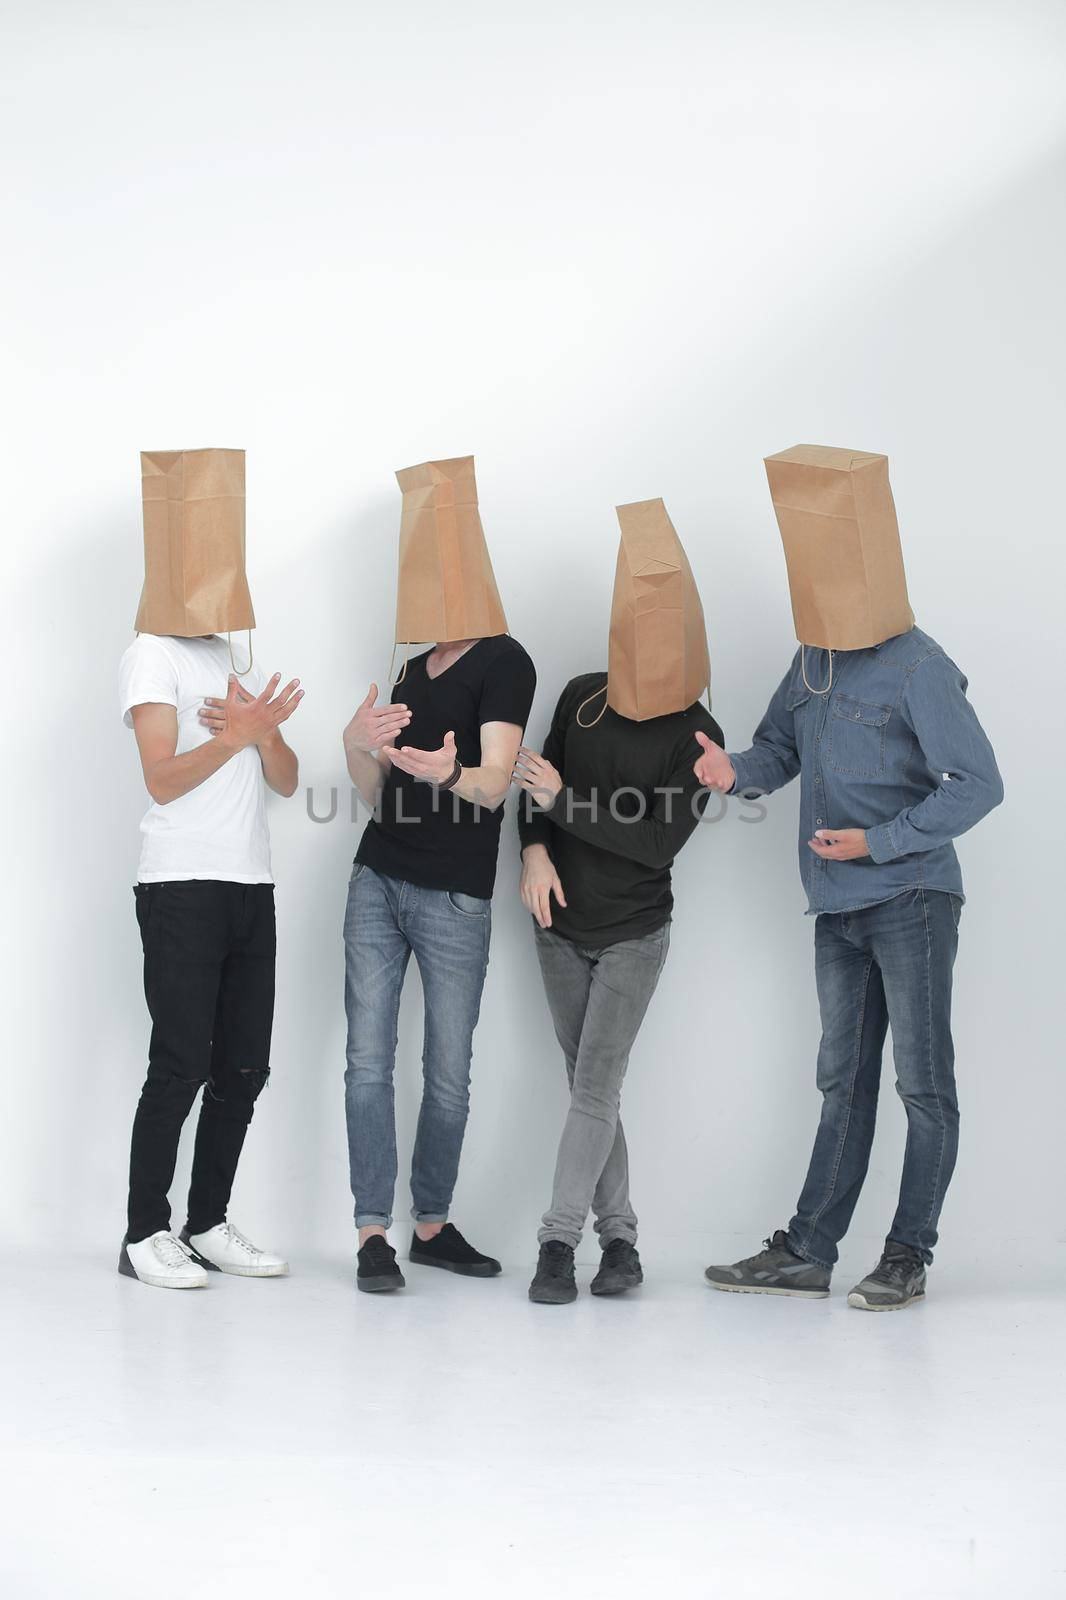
(775, 1270)
(898, 1280)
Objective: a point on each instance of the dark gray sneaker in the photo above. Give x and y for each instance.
(554, 1283)
(620, 1268)
(898, 1280)
(775, 1270)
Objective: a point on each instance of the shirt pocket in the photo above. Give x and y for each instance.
(857, 733)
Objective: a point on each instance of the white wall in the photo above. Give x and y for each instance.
(615, 251)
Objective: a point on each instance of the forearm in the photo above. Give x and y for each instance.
(764, 768)
(653, 840)
(534, 851)
(173, 776)
(483, 786)
(952, 809)
(281, 769)
(534, 827)
(366, 771)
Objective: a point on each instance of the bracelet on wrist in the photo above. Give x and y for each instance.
(453, 778)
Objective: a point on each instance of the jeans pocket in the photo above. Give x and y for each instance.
(467, 905)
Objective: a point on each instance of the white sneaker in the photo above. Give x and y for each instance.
(225, 1249)
(163, 1261)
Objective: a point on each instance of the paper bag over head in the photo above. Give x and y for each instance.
(446, 589)
(194, 577)
(657, 655)
(838, 526)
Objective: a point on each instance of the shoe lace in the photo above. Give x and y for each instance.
(555, 1257)
(894, 1269)
(776, 1241)
(170, 1250)
(615, 1251)
(236, 1237)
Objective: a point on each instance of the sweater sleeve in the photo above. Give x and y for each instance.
(534, 824)
(653, 836)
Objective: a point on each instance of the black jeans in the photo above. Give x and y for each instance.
(209, 982)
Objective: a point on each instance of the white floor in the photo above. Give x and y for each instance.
(291, 1437)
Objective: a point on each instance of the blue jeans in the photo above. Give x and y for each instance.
(885, 965)
(385, 921)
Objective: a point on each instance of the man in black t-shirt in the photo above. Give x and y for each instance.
(617, 798)
(435, 764)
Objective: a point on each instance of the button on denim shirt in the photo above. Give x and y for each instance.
(894, 748)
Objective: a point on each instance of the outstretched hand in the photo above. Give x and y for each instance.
(243, 719)
(374, 726)
(428, 766)
(713, 770)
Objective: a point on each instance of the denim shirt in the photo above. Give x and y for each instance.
(894, 748)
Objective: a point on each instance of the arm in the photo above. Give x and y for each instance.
(168, 776)
(234, 723)
(534, 824)
(773, 759)
(371, 727)
(539, 880)
(952, 741)
(653, 839)
(484, 785)
(281, 769)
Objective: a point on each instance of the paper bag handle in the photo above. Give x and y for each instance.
(251, 658)
(392, 663)
(803, 668)
(584, 703)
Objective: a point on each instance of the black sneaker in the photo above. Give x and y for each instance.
(448, 1249)
(376, 1271)
(554, 1283)
(620, 1268)
(898, 1280)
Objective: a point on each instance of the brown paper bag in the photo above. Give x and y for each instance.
(446, 588)
(194, 578)
(657, 656)
(845, 565)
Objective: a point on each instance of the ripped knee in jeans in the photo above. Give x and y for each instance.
(252, 1080)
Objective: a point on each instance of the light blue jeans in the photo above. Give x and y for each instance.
(387, 919)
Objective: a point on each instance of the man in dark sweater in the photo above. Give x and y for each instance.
(616, 798)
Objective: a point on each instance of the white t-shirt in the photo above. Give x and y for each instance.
(219, 829)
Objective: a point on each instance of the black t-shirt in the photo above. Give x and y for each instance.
(431, 837)
(614, 865)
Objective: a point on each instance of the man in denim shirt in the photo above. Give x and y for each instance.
(893, 766)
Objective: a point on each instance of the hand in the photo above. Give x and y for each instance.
(428, 766)
(539, 881)
(714, 770)
(840, 844)
(374, 726)
(539, 777)
(243, 719)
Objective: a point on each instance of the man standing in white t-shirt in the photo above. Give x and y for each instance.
(209, 739)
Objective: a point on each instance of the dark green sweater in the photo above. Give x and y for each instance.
(615, 868)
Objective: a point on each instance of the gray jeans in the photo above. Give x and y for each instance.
(597, 1000)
